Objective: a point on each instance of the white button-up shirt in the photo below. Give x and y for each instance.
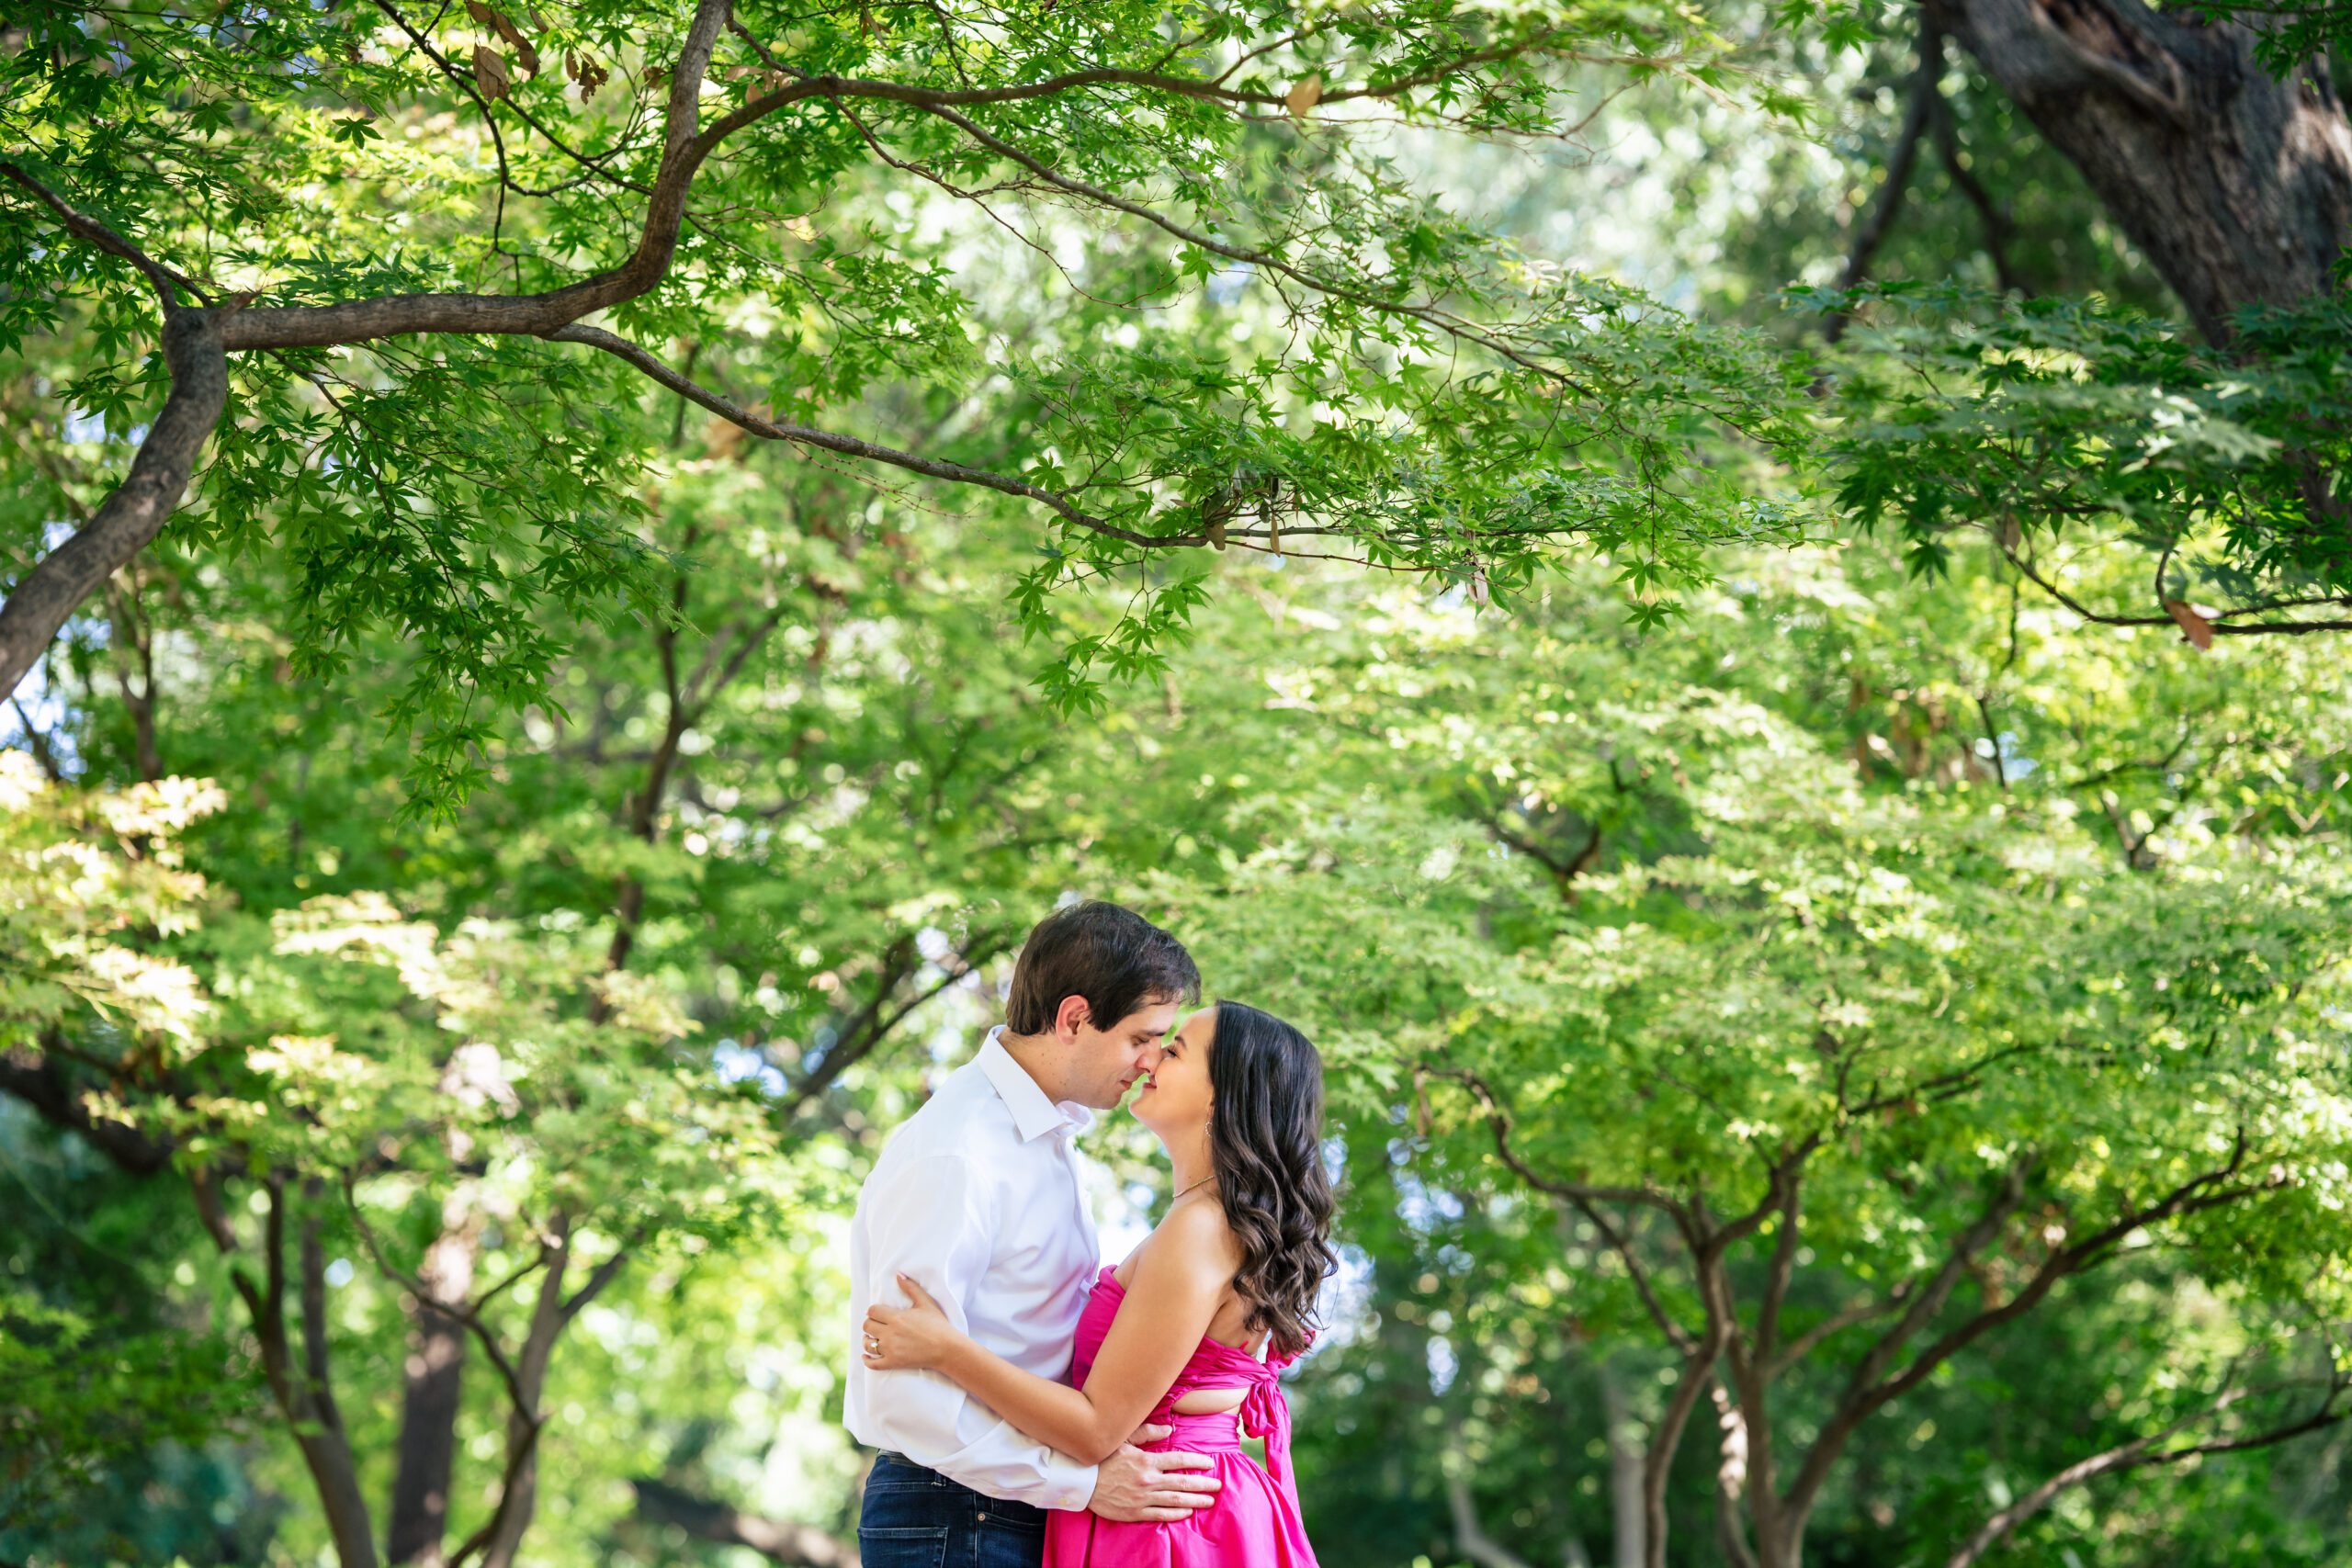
(979, 1199)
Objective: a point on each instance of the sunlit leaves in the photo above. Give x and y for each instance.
(1432, 402)
(2052, 422)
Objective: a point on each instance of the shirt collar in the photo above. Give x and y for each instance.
(1032, 1114)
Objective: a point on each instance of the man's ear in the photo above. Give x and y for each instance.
(1073, 1016)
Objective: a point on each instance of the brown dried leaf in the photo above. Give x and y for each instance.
(490, 72)
(1304, 96)
(583, 69)
(2193, 627)
(505, 24)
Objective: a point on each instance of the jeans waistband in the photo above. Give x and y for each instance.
(1003, 1506)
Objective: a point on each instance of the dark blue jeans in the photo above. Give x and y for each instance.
(914, 1518)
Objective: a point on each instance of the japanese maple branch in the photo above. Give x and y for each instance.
(468, 1315)
(1871, 1386)
(1499, 1121)
(165, 279)
(683, 151)
(1926, 94)
(2220, 626)
(850, 446)
(2135, 1454)
(194, 355)
(1428, 315)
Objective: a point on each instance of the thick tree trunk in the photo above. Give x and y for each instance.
(435, 1372)
(41, 600)
(2237, 186)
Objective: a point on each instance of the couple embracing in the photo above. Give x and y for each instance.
(1031, 1406)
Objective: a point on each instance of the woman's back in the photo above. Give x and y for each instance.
(1194, 1222)
(1254, 1522)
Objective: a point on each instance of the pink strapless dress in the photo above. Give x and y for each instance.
(1253, 1523)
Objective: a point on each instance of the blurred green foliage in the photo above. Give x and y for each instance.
(748, 769)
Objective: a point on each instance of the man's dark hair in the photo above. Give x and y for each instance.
(1115, 959)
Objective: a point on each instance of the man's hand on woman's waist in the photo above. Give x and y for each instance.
(1136, 1487)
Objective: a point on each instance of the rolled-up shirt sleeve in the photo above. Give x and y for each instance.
(932, 1221)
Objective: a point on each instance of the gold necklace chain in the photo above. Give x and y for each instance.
(1188, 1192)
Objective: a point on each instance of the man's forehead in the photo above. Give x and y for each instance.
(1152, 1018)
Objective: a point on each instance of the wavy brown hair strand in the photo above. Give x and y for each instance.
(1266, 1146)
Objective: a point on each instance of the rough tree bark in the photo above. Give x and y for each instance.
(137, 511)
(2237, 186)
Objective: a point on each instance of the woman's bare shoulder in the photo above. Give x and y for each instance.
(1199, 1236)
(1192, 1243)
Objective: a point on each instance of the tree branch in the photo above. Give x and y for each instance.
(1499, 1121)
(42, 1085)
(1564, 871)
(468, 1315)
(1621, 1243)
(850, 446)
(797, 1546)
(1797, 1349)
(533, 315)
(1998, 223)
(166, 281)
(1864, 1388)
(1428, 315)
(2219, 625)
(2132, 1456)
(1870, 1388)
(870, 1028)
(39, 602)
(1926, 92)
(314, 1312)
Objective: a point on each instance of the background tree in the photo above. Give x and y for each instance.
(803, 790)
(383, 397)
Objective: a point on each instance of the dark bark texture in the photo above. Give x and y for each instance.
(42, 599)
(2236, 186)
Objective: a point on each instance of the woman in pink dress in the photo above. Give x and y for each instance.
(1193, 1329)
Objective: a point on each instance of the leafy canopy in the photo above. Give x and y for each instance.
(773, 213)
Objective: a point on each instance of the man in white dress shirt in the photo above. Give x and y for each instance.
(978, 1195)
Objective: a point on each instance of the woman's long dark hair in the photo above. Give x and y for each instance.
(1266, 1146)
